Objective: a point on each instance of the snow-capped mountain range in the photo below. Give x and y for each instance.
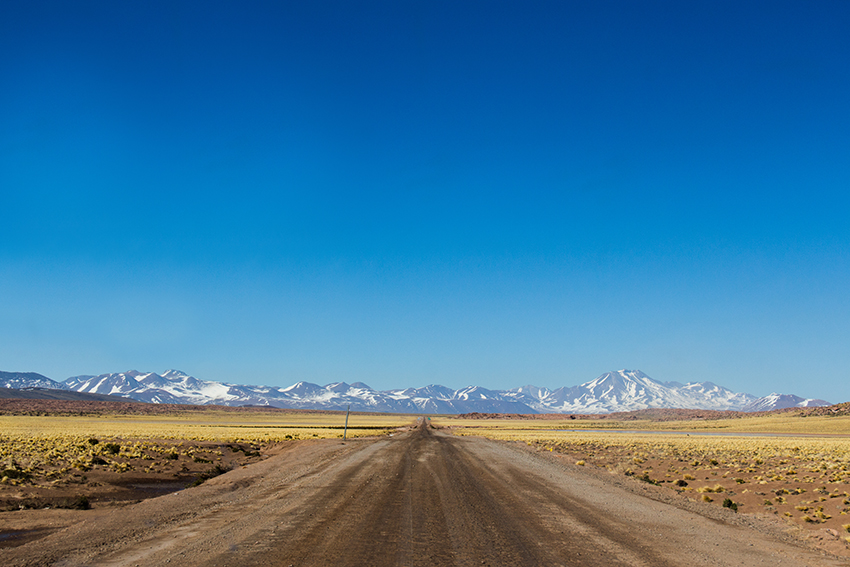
(622, 390)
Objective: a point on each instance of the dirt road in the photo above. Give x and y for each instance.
(419, 498)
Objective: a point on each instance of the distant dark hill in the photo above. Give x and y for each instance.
(52, 394)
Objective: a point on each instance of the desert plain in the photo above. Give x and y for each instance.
(103, 483)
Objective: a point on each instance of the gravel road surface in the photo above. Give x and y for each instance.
(423, 497)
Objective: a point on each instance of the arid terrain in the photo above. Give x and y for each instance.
(793, 464)
(419, 497)
(58, 456)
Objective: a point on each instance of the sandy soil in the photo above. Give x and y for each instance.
(420, 498)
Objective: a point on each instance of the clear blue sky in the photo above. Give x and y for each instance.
(404, 193)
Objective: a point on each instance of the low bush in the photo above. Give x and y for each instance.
(112, 448)
(16, 474)
(645, 478)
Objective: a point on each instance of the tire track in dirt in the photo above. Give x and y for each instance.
(523, 501)
(375, 515)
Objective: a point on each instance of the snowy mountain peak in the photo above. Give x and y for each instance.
(475, 393)
(780, 401)
(301, 389)
(173, 373)
(20, 380)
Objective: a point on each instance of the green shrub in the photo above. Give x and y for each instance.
(648, 480)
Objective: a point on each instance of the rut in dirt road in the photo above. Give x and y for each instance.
(425, 500)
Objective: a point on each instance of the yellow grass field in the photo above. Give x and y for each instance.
(35, 449)
(787, 424)
(209, 425)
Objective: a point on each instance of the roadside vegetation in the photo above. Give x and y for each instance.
(70, 459)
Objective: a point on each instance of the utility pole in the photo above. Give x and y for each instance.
(345, 431)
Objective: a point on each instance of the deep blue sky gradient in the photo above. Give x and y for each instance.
(405, 193)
